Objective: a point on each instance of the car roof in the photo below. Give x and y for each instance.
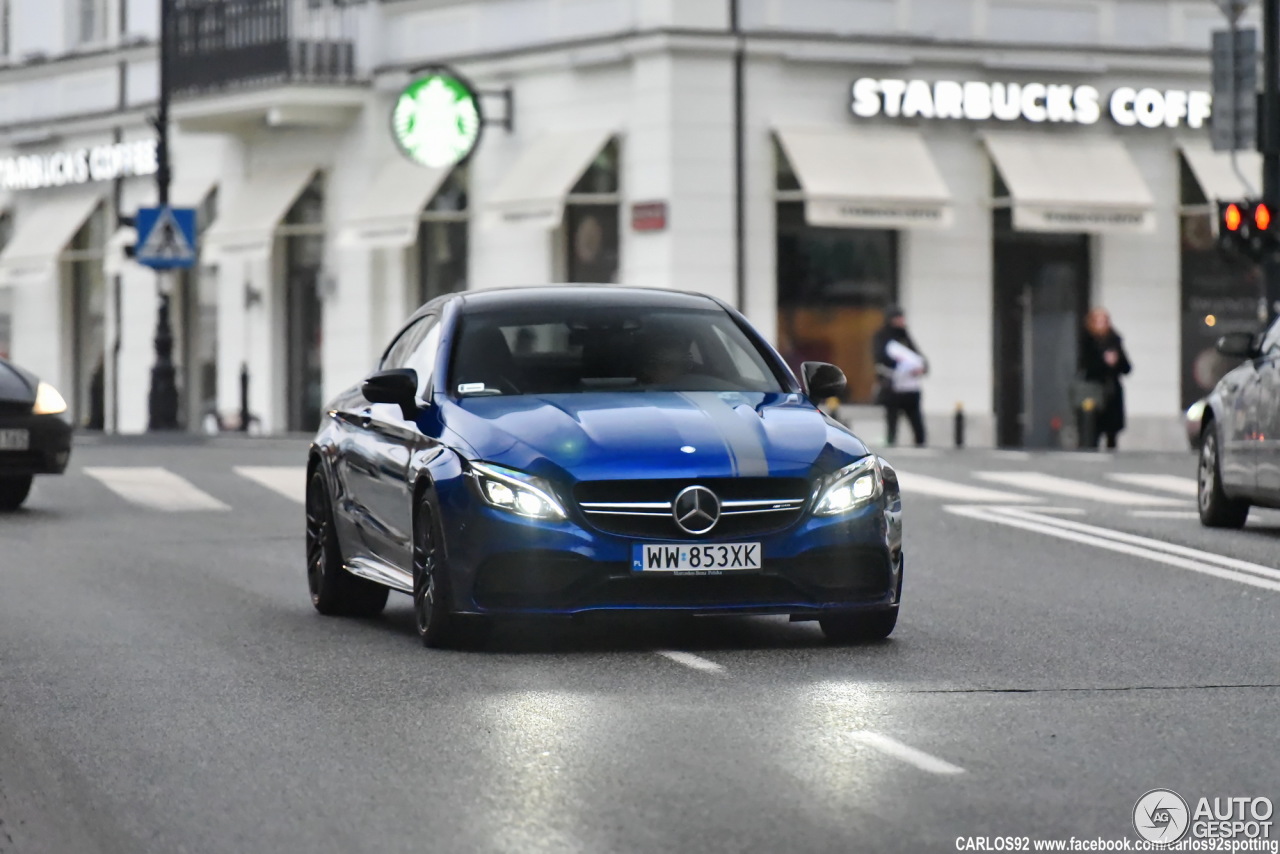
(534, 296)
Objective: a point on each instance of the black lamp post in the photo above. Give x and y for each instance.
(162, 402)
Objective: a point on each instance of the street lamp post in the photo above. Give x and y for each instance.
(162, 402)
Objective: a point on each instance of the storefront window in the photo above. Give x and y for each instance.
(833, 287)
(592, 224)
(304, 241)
(1220, 293)
(88, 295)
(442, 239)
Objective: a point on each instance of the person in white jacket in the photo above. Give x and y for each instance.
(902, 368)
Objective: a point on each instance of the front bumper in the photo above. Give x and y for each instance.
(503, 565)
(49, 449)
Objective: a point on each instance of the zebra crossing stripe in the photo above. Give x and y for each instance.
(289, 481)
(155, 488)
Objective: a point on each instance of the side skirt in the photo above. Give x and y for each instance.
(381, 572)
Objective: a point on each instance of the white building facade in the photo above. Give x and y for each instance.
(994, 166)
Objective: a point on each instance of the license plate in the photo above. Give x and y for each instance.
(15, 440)
(689, 559)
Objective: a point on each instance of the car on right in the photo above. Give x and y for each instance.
(1239, 465)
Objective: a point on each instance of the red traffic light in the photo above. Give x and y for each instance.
(1232, 218)
(1262, 217)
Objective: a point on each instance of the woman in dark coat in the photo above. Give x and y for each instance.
(1103, 361)
(899, 369)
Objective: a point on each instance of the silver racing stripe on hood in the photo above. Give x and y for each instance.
(741, 432)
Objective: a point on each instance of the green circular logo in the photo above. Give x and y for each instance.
(437, 120)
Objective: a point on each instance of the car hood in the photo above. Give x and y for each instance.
(16, 384)
(621, 435)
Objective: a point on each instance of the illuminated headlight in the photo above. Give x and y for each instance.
(852, 487)
(48, 401)
(516, 492)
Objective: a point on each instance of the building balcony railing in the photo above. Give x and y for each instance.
(223, 45)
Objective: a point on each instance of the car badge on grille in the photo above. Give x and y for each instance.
(696, 510)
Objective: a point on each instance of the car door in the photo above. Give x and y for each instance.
(1267, 429)
(363, 458)
(1240, 392)
(393, 441)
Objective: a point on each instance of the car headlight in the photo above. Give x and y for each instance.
(48, 401)
(852, 487)
(516, 492)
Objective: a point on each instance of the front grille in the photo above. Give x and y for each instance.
(750, 506)
(16, 407)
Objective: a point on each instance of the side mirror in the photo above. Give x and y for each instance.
(1238, 345)
(822, 380)
(398, 386)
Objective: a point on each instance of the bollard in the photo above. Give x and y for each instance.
(1088, 423)
(959, 424)
(244, 397)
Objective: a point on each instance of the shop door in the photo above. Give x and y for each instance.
(1041, 295)
(303, 333)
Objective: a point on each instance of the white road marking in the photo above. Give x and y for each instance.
(688, 659)
(1169, 554)
(1184, 486)
(289, 481)
(1038, 482)
(1011, 455)
(921, 484)
(910, 755)
(1164, 514)
(156, 488)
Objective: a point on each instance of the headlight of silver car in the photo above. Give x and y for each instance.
(854, 486)
(48, 401)
(516, 492)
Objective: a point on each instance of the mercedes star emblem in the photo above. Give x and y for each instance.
(696, 510)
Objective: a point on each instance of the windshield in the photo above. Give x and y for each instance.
(614, 348)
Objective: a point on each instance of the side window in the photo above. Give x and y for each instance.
(397, 355)
(423, 359)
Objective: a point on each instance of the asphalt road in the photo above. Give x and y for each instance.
(165, 685)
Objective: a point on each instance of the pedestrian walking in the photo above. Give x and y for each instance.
(901, 368)
(1102, 363)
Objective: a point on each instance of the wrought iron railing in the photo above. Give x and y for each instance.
(218, 45)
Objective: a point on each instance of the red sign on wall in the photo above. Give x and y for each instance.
(649, 216)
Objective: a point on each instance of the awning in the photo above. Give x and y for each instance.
(1218, 180)
(388, 214)
(1072, 183)
(881, 178)
(43, 234)
(532, 194)
(249, 223)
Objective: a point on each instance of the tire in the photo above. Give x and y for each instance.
(1217, 509)
(14, 491)
(438, 626)
(334, 591)
(860, 628)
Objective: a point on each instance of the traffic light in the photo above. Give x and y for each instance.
(1248, 228)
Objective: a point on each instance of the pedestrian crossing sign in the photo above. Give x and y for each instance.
(166, 238)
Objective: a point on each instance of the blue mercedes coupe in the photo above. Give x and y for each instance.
(561, 450)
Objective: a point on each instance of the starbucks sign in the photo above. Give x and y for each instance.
(437, 121)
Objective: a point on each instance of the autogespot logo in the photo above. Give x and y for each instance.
(1161, 815)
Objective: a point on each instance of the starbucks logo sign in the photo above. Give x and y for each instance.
(437, 120)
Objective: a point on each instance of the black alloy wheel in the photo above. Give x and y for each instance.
(13, 491)
(334, 591)
(438, 626)
(1217, 509)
